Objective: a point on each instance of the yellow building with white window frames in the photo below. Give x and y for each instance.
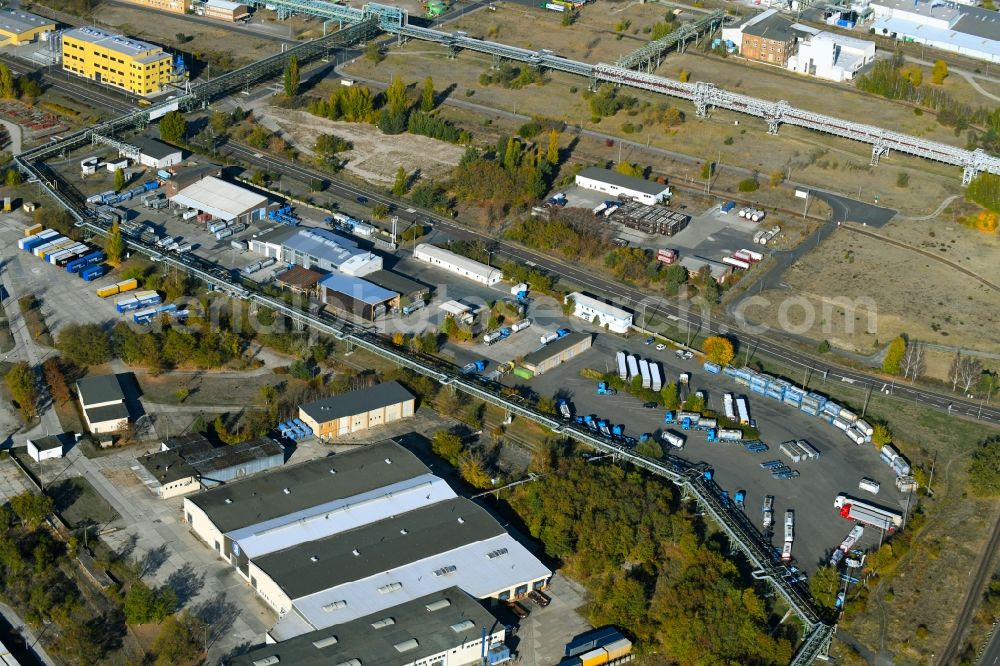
(133, 65)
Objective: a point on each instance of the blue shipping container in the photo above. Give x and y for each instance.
(91, 273)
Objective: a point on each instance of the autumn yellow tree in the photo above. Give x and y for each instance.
(940, 72)
(894, 356)
(719, 350)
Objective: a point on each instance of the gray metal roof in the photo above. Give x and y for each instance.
(553, 348)
(439, 622)
(378, 547)
(193, 455)
(323, 244)
(356, 402)
(621, 180)
(263, 497)
(114, 412)
(18, 22)
(153, 148)
(167, 466)
(978, 22)
(396, 282)
(774, 27)
(102, 388)
(357, 289)
(47, 443)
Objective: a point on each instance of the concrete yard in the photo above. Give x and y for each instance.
(819, 528)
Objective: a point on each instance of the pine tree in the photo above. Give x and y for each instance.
(292, 77)
(399, 186)
(114, 247)
(552, 155)
(427, 98)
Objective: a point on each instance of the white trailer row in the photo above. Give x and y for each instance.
(727, 404)
(622, 366)
(798, 450)
(742, 411)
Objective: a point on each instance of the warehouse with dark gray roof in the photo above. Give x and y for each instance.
(445, 627)
(342, 414)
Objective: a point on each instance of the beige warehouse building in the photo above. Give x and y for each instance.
(353, 412)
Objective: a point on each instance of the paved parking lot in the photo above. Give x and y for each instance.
(819, 528)
(542, 636)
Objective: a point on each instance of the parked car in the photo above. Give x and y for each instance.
(679, 353)
(650, 405)
(539, 598)
(688, 355)
(517, 609)
(649, 340)
(660, 347)
(362, 199)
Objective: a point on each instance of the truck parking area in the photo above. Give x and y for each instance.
(841, 464)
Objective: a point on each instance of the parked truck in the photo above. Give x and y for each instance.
(789, 525)
(673, 439)
(852, 539)
(861, 511)
(604, 389)
(633, 367)
(520, 325)
(644, 371)
(656, 377)
(727, 405)
(742, 411)
(622, 366)
(724, 435)
(564, 410)
(475, 366)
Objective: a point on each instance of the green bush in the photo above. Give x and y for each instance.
(748, 185)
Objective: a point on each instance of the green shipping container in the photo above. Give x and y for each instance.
(523, 373)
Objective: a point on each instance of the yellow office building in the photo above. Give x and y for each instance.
(17, 27)
(136, 66)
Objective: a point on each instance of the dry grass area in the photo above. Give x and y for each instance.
(375, 156)
(163, 29)
(912, 294)
(841, 100)
(811, 158)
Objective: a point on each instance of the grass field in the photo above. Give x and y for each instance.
(929, 585)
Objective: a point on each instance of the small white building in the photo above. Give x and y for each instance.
(45, 448)
(156, 154)
(223, 200)
(619, 185)
(316, 249)
(457, 264)
(831, 56)
(224, 10)
(588, 307)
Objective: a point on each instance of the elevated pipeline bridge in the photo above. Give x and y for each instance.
(649, 56)
(704, 96)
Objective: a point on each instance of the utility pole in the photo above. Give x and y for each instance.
(930, 480)
(867, 398)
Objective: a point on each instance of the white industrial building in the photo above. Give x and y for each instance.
(831, 56)
(400, 558)
(457, 264)
(445, 628)
(619, 185)
(588, 307)
(155, 154)
(45, 448)
(223, 200)
(317, 249)
(338, 538)
(941, 24)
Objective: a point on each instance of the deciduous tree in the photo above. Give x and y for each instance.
(894, 356)
(399, 184)
(552, 152)
(719, 350)
(291, 77)
(84, 344)
(114, 246)
(7, 90)
(940, 72)
(881, 435)
(20, 381)
(984, 471)
(31, 509)
(173, 127)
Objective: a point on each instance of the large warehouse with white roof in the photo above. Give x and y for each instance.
(223, 200)
(318, 249)
(334, 539)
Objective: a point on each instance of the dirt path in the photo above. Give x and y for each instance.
(937, 211)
